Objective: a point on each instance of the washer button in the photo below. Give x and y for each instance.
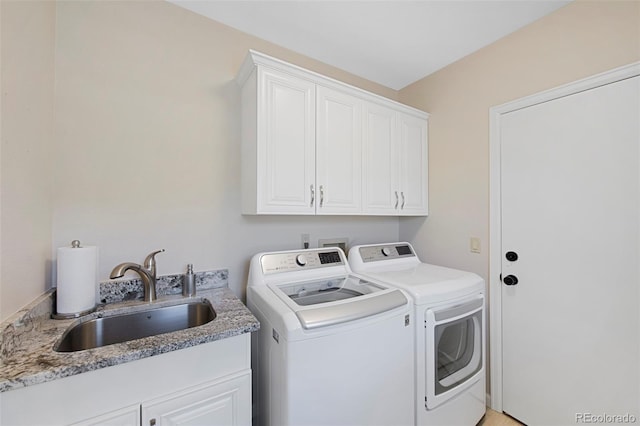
(386, 251)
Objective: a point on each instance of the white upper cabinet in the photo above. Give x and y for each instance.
(312, 145)
(338, 152)
(412, 134)
(381, 193)
(278, 132)
(394, 162)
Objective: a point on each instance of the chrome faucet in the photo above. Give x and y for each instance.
(147, 274)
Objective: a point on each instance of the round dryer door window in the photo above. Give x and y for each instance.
(455, 334)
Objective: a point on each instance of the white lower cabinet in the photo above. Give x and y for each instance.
(214, 404)
(219, 403)
(127, 416)
(208, 384)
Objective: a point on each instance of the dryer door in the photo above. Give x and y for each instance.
(455, 349)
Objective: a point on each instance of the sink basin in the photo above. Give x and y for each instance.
(125, 327)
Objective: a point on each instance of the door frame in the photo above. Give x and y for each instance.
(495, 201)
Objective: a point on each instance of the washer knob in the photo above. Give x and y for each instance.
(301, 260)
(386, 251)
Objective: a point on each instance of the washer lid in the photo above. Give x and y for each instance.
(360, 308)
(429, 283)
(331, 301)
(327, 290)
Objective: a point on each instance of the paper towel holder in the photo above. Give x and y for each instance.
(62, 316)
(56, 315)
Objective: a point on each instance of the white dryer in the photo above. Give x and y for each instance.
(333, 348)
(450, 331)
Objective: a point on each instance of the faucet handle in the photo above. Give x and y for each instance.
(150, 260)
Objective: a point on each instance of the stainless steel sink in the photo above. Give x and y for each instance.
(125, 327)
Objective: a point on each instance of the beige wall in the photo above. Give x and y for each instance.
(145, 150)
(27, 81)
(579, 40)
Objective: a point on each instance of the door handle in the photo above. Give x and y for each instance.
(313, 195)
(510, 280)
(511, 256)
(397, 200)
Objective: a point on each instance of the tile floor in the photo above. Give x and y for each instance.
(494, 418)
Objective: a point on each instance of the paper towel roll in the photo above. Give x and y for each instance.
(77, 279)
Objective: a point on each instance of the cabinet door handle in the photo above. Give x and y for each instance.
(402, 193)
(397, 200)
(321, 195)
(152, 422)
(313, 195)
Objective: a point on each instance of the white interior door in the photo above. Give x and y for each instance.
(570, 211)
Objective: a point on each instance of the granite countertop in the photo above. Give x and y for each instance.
(27, 338)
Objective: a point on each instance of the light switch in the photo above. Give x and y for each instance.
(474, 245)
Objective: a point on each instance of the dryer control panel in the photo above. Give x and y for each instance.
(298, 260)
(385, 252)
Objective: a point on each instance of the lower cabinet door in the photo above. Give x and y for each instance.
(224, 402)
(127, 416)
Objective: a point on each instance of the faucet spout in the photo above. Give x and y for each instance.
(147, 274)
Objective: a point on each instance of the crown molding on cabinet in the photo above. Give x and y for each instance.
(255, 58)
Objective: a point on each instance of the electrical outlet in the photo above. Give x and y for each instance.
(305, 241)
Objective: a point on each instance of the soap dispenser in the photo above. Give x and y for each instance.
(189, 282)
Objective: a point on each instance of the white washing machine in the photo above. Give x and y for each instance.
(450, 337)
(333, 348)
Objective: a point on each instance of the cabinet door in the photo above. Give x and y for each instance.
(223, 403)
(286, 144)
(413, 165)
(380, 189)
(338, 152)
(128, 416)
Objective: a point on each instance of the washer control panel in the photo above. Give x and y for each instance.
(385, 252)
(305, 259)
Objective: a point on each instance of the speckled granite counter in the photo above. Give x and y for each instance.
(28, 337)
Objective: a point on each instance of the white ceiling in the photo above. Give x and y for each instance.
(391, 42)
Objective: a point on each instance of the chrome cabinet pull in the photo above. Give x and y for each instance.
(402, 193)
(313, 195)
(397, 200)
(321, 195)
